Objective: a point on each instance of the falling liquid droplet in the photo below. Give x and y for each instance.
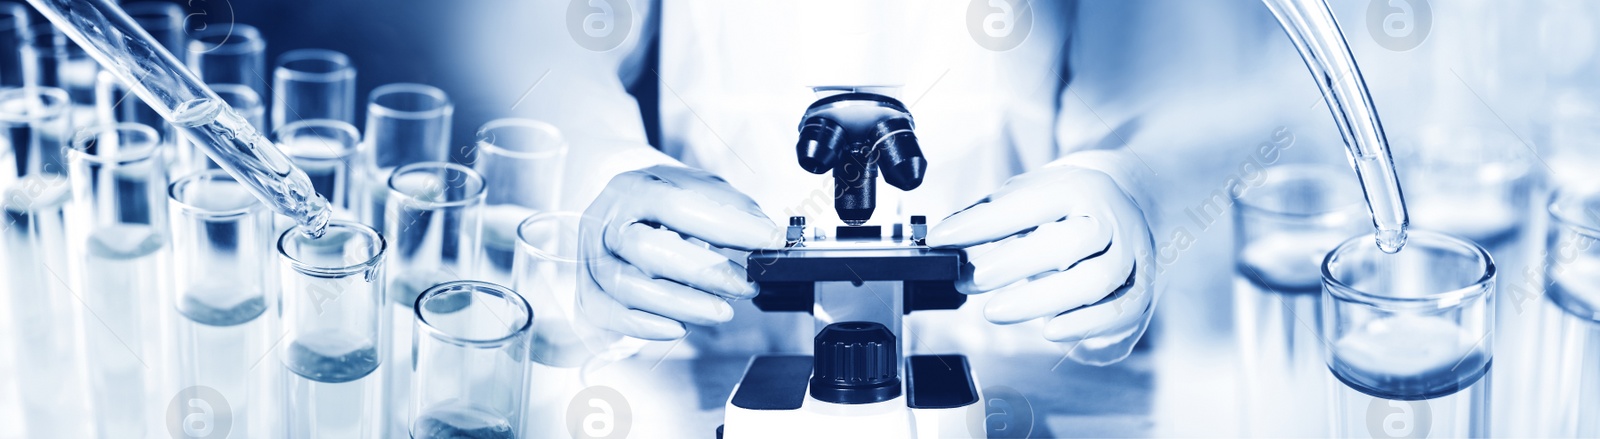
(1390, 241)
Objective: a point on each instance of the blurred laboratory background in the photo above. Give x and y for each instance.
(1491, 110)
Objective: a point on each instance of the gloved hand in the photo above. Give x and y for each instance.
(644, 267)
(1073, 247)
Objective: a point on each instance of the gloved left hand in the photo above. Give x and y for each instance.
(1073, 247)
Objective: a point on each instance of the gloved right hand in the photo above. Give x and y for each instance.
(641, 275)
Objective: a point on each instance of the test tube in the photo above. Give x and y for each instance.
(470, 373)
(1567, 375)
(1410, 336)
(42, 311)
(1282, 230)
(434, 223)
(546, 275)
(313, 84)
(1478, 183)
(222, 241)
(37, 124)
(333, 298)
(163, 21)
(244, 101)
(406, 123)
(62, 64)
(114, 102)
(234, 54)
(117, 232)
(522, 161)
(326, 150)
(14, 36)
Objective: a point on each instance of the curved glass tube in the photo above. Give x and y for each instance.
(1310, 24)
(471, 368)
(333, 344)
(313, 84)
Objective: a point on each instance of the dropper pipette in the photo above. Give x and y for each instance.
(1310, 24)
(126, 51)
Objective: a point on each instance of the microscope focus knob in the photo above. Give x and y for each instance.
(855, 363)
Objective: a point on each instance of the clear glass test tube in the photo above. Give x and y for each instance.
(62, 64)
(1568, 360)
(14, 34)
(43, 314)
(470, 372)
(117, 232)
(333, 297)
(1410, 336)
(226, 295)
(234, 54)
(163, 21)
(1478, 183)
(114, 102)
(1282, 230)
(326, 150)
(522, 161)
(546, 275)
(38, 124)
(313, 84)
(434, 223)
(244, 101)
(406, 123)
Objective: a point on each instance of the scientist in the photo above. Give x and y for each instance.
(1057, 235)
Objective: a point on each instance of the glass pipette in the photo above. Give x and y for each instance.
(124, 49)
(1310, 24)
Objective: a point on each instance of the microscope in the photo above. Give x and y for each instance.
(857, 283)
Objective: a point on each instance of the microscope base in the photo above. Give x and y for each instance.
(941, 400)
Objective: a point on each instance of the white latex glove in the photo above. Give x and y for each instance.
(641, 276)
(1073, 248)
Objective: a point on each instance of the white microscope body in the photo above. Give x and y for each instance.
(859, 281)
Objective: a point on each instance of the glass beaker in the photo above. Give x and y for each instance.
(226, 297)
(313, 84)
(1410, 336)
(333, 297)
(434, 224)
(406, 124)
(1568, 373)
(1282, 230)
(522, 162)
(117, 233)
(471, 361)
